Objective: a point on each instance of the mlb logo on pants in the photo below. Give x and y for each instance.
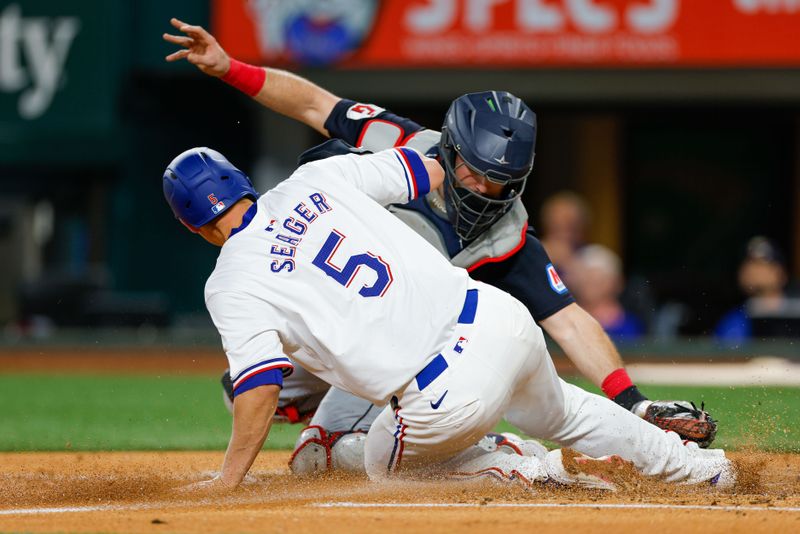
(462, 341)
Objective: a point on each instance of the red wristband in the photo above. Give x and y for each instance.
(249, 79)
(616, 382)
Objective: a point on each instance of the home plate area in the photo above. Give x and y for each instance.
(139, 492)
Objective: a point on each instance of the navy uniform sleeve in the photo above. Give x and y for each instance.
(369, 126)
(530, 277)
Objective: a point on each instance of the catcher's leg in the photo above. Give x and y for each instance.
(335, 437)
(340, 411)
(546, 407)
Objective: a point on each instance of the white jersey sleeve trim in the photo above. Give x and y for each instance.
(416, 175)
(253, 370)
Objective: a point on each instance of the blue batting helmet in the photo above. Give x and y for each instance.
(200, 184)
(494, 132)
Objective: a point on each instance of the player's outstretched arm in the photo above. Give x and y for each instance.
(584, 342)
(253, 411)
(435, 172)
(587, 345)
(278, 90)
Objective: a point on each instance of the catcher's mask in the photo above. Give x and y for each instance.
(200, 185)
(494, 132)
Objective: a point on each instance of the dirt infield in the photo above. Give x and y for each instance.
(135, 492)
(203, 361)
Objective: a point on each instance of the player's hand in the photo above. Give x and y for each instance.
(199, 48)
(214, 486)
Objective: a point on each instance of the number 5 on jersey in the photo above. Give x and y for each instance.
(345, 275)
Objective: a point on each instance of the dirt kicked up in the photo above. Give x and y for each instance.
(138, 492)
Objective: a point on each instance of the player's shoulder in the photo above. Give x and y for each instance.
(221, 283)
(237, 266)
(224, 294)
(338, 163)
(532, 239)
(319, 172)
(535, 254)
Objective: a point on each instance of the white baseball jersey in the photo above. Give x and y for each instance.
(321, 272)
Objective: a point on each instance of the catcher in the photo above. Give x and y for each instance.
(476, 220)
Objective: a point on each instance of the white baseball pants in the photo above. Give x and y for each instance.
(499, 366)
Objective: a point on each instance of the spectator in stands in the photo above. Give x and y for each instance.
(598, 288)
(763, 279)
(565, 218)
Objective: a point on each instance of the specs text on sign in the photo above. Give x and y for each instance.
(590, 16)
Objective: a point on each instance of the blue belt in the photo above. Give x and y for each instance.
(437, 365)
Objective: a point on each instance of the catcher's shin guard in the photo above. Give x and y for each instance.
(317, 451)
(312, 454)
(347, 451)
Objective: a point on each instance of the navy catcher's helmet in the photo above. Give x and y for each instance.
(200, 184)
(494, 132)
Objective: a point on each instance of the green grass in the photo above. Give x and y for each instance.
(762, 417)
(85, 412)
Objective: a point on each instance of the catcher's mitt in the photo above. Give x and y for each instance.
(685, 419)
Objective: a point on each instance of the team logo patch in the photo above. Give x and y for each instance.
(218, 207)
(460, 344)
(364, 111)
(555, 280)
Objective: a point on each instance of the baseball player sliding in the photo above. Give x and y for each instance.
(317, 270)
(476, 220)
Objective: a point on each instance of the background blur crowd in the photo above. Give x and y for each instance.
(769, 307)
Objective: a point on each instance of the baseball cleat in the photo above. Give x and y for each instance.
(499, 465)
(585, 471)
(527, 447)
(512, 444)
(497, 442)
(712, 469)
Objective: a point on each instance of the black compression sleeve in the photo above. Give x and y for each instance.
(629, 398)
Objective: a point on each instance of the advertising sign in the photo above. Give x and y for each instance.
(59, 74)
(512, 33)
